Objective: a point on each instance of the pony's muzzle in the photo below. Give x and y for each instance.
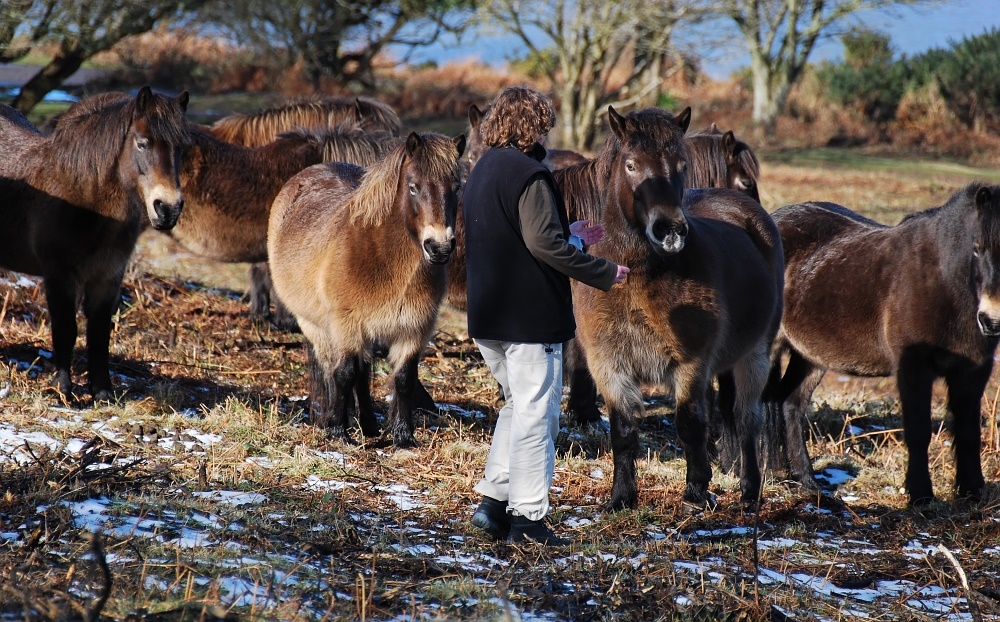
(166, 214)
(667, 235)
(438, 252)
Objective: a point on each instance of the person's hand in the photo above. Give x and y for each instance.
(621, 274)
(590, 234)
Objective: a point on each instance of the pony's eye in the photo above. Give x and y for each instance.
(413, 189)
(682, 166)
(142, 144)
(630, 166)
(975, 249)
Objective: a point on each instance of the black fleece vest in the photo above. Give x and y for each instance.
(511, 295)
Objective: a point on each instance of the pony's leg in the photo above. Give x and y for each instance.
(692, 428)
(61, 297)
(965, 393)
(914, 380)
(281, 316)
(785, 416)
(99, 303)
(401, 413)
(345, 378)
(750, 376)
(422, 399)
(260, 290)
(366, 410)
(623, 399)
(726, 399)
(582, 404)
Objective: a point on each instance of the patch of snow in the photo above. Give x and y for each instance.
(314, 482)
(232, 497)
(263, 462)
(832, 476)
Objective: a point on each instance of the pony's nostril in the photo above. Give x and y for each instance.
(429, 247)
(683, 229)
(660, 229)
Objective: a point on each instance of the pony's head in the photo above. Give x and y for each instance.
(986, 253)
(430, 179)
(151, 155)
(742, 166)
(476, 147)
(646, 157)
(718, 159)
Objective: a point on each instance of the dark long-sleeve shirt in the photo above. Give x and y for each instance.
(543, 235)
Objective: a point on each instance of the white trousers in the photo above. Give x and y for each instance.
(522, 456)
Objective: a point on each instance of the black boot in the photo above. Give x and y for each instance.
(524, 530)
(491, 516)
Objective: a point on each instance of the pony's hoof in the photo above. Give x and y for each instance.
(621, 503)
(103, 396)
(404, 441)
(286, 324)
(600, 426)
(370, 431)
(338, 433)
(923, 503)
(698, 496)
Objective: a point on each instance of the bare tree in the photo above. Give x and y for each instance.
(80, 29)
(338, 38)
(590, 41)
(781, 35)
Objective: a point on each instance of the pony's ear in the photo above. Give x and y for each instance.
(683, 119)
(413, 142)
(475, 115)
(714, 129)
(617, 123)
(143, 99)
(183, 100)
(729, 146)
(459, 142)
(984, 196)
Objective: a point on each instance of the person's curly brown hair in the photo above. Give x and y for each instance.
(519, 116)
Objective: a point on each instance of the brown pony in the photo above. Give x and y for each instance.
(259, 128)
(703, 296)
(358, 257)
(229, 189)
(74, 203)
(263, 127)
(917, 301)
(715, 159)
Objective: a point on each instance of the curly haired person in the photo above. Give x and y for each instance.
(521, 253)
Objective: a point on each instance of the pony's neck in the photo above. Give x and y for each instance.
(81, 183)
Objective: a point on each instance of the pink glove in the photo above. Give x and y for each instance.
(590, 234)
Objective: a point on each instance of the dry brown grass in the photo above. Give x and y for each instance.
(365, 532)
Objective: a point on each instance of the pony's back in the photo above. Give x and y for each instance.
(261, 128)
(17, 135)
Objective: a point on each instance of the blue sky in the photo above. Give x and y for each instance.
(913, 29)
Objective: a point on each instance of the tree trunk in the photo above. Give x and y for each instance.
(64, 64)
(770, 90)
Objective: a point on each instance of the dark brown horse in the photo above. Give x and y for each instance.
(359, 258)
(229, 189)
(715, 159)
(74, 204)
(917, 301)
(703, 296)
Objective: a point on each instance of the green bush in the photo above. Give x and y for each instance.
(967, 74)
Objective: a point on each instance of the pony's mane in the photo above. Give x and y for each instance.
(89, 136)
(961, 202)
(374, 199)
(347, 143)
(264, 126)
(582, 190)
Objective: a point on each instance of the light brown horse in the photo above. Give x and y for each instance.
(918, 301)
(359, 258)
(703, 297)
(74, 204)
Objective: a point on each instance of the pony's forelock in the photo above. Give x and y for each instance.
(372, 202)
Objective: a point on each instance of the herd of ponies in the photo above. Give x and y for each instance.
(355, 235)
